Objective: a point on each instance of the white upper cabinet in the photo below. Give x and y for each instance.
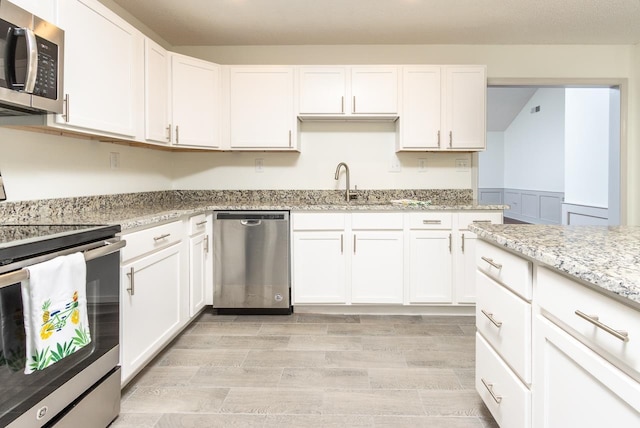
(103, 75)
(261, 108)
(443, 108)
(156, 93)
(43, 9)
(195, 102)
(419, 122)
(322, 90)
(374, 90)
(464, 107)
(347, 92)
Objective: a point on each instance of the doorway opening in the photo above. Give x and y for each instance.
(554, 153)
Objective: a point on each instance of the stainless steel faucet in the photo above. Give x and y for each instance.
(348, 194)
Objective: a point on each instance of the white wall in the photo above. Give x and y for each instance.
(368, 149)
(39, 166)
(586, 145)
(491, 162)
(534, 144)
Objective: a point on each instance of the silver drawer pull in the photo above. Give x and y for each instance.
(431, 221)
(491, 262)
(594, 319)
(200, 223)
(491, 318)
(482, 221)
(489, 386)
(132, 285)
(165, 235)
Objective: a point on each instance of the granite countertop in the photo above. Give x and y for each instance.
(607, 257)
(136, 210)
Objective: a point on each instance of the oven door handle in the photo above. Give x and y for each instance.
(109, 246)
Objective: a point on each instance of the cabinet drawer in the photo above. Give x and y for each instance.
(487, 217)
(508, 269)
(561, 297)
(514, 409)
(197, 224)
(510, 331)
(144, 241)
(430, 220)
(376, 221)
(317, 221)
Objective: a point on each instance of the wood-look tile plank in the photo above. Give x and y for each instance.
(292, 329)
(136, 420)
(273, 401)
(284, 358)
(327, 318)
(361, 329)
(237, 377)
(372, 402)
(175, 400)
(365, 359)
(426, 422)
(452, 403)
(225, 329)
(165, 376)
(318, 421)
(325, 343)
(414, 378)
(251, 342)
(319, 378)
(427, 329)
(190, 420)
(450, 359)
(390, 319)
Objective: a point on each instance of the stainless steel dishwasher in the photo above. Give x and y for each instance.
(251, 262)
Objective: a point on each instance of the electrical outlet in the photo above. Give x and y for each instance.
(259, 165)
(462, 165)
(395, 166)
(114, 160)
(422, 165)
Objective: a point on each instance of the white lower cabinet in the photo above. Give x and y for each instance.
(154, 297)
(200, 262)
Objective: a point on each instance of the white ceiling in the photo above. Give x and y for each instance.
(336, 22)
(504, 104)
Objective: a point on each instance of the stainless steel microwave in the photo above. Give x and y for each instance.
(31, 57)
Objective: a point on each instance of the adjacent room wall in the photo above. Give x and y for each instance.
(491, 161)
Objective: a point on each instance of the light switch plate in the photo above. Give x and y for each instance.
(114, 160)
(259, 165)
(422, 165)
(462, 165)
(395, 166)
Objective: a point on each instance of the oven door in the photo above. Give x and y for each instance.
(33, 400)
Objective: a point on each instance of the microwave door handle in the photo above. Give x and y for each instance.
(32, 60)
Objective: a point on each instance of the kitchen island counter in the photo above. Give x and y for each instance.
(607, 258)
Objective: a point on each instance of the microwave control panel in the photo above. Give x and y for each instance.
(47, 79)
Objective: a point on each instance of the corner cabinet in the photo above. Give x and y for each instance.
(443, 108)
(103, 75)
(156, 93)
(261, 108)
(195, 102)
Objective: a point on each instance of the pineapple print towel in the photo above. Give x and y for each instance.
(55, 310)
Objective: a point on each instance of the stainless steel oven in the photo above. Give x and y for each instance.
(82, 389)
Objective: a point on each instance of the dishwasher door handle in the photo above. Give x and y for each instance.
(251, 222)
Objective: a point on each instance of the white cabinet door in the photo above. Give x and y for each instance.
(198, 252)
(195, 101)
(464, 107)
(319, 267)
(261, 108)
(103, 70)
(430, 267)
(377, 266)
(156, 93)
(150, 307)
(374, 90)
(578, 388)
(419, 122)
(322, 90)
(43, 9)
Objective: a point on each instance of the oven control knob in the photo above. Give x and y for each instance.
(42, 412)
(278, 297)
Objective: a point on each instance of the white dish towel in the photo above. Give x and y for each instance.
(54, 302)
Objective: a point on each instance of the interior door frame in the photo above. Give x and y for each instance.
(621, 83)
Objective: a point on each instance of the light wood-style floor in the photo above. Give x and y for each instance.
(308, 370)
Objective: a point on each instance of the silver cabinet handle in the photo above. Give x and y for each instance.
(491, 318)
(66, 108)
(289, 138)
(177, 135)
(342, 104)
(341, 243)
(169, 133)
(450, 139)
(354, 244)
(132, 285)
(489, 386)
(200, 223)
(449, 242)
(354, 104)
(482, 221)
(431, 221)
(462, 243)
(206, 243)
(164, 235)
(438, 138)
(491, 262)
(595, 320)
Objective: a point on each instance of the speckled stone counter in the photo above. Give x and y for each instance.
(135, 210)
(607, 257)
